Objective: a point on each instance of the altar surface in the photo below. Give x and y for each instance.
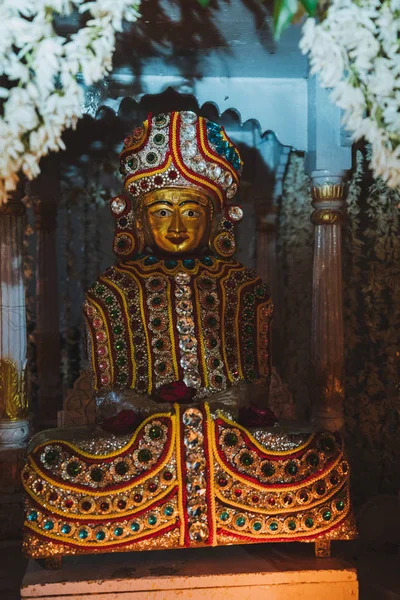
(275, 572)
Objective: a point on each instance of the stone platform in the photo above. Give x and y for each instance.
(273, 571)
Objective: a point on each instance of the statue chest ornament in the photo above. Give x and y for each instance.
(203, 321)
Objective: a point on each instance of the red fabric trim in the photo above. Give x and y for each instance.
(209, 483)
(184, 483)
(138, 148)
(139, 175)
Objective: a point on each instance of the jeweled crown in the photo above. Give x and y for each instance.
(181, 149)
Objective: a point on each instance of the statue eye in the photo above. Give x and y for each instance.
(162, 212)
(190, 213)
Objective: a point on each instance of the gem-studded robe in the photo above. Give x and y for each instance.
(204, 321)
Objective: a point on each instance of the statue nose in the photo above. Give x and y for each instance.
(176, 225)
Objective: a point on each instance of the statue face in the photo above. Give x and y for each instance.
(177, 220)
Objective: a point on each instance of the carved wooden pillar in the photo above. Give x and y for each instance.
(47, 310)
(14, 425)
(327, 347)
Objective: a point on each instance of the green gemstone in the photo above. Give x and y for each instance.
(226, 242)
(152, 520)
(340, 505)
(327, 515)
(327, 444)
(162, 366)
(212, 321)
(249, 359)
(248, 313)
(100, 290)
(114, 313)
(273, 526)
(135, 526)
(309, 522)
(51, 456)
(130, 163)
(159, 344)
(216, 362)
(117, 329)
(100, 535)
(144, 455)
(168, 511)
(122, 377)
(121, 468)
(268, 469)
(257, 526)
(156, 322)
(120, 244)
(248, 329)
(157, 300)
(292, 525)
(74, 468)
(121, 361)
(118, 531)
(260, 291)
(32, 516)
(66, 529)
(96, 474)
(230, 439)
(109, 300)
(151, 157)
(210, 300)
(155, 432)
(240, 521)
(246, 459)
(224, 516)
(159, 139)
(291, 468)
(218, 379)
(83, 534)
(120, 345)
(250, 298)
(313, 460)
(213, 343)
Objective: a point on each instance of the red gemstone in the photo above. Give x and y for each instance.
(238, 493)
(86, 506)
(39, 487)
(321, 489)
(152, 487)
(172, 175)
(121, 504)
(139, 355)
(104, 506)
(144, 184)
(53, 496)
(69, 503)
(222, 481)
(133, 189)
(334, 479)
(303, 496)
(271, 501)
(158, 180)
(167, 475)
(288, 500)
(255, 499)
(138, 498)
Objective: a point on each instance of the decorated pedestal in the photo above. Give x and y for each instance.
(184, 480)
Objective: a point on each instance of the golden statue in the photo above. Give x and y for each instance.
(185, 453)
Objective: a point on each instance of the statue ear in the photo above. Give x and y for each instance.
(128, 237)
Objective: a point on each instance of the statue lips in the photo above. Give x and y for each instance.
(177, 239)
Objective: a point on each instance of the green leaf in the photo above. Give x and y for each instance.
(284, 11)
(310, 6)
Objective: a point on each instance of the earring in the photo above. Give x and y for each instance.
(128, 238)
(224, 243)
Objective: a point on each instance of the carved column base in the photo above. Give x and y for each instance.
(14, 434)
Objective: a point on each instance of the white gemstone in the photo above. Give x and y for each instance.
(118, 205)
(189, 362)
(182, 278)
(192, 380)
(201, 166)
(195, 462)
(232, 190)
(189, 149)
(192, 417)
(235, 213)
(227, 179)
(188, 343)
(185, 325)
(193, 439)
(188, 132)
(198, 532)
(184, 308)
(188, 117)
(183, 293)
(214, 171)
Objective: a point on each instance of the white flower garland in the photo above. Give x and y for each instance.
(356, 51)
(42, 67)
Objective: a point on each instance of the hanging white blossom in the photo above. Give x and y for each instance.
(356, 51)
(42, 67)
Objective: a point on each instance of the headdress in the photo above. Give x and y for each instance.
(178, 149)
(181, 149)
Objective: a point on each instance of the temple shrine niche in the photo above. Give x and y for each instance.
(184, 427)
